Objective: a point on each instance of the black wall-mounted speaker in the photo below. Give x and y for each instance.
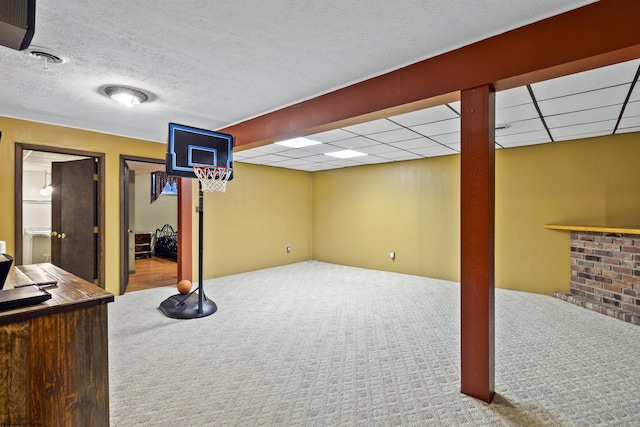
(17, 23)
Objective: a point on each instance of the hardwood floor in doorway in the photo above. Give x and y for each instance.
(152, 273)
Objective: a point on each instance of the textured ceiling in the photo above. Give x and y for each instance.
(212, 64)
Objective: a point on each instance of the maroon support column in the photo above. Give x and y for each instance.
(477, 188)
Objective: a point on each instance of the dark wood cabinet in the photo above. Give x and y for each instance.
(54, 355)
(143, 245)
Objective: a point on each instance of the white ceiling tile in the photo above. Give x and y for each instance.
(394, 135)
(375, 126)
(516, 113)
(367, 160)
(456, 106)
(512, 98)
(317, 149)
(457, 146)
(438, 128)
(447, 138)
(379, 148)
(632, 109)
(584, 116)
(536, 137)
(618, 74)
(521, 127)
(296, 154)
(583, 130)
(254, 160)
(626, 127)
(270, 149)
(269, 159)
(410, 144)
(357, 142)
(428, 115)
(245, 154)
(399, 155)
(513, 144)
(292, 162)
(340, 163)
(317, 158)
(582, 101)
(331, 135)
(439, 150)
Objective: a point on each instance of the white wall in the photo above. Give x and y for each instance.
(36, 218)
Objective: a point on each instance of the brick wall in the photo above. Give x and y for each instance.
(605, 273)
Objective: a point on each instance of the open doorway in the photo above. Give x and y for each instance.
(59, 209)
(149, 225)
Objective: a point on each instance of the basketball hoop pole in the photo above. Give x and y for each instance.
(180, 307)
(200, 247)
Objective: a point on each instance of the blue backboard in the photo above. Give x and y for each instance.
(189, 147)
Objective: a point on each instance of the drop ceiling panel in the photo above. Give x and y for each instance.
(429, 115)
(354, 143)
(414, 143)
(375, 126)
(395, 135)
(584, 130)
(584, 116)
(526, 138)
(438, 128)
(512, 98)
(439, 150)
(447, 138)
(331, 135)
(524, 126)
(578, 106)
(516, 113)
(613, 75)
(584, 100)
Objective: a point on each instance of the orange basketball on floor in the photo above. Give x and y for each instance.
(184, 286)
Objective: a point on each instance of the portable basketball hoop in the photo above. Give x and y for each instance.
(208, 156)
(213, 178)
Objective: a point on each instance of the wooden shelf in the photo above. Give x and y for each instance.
(143, 245)
(594, 228)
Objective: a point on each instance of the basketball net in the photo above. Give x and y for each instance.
(213, 178)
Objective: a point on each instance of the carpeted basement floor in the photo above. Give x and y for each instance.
(316, 344)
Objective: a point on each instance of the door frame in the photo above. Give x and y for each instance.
(184, 222)
(18, 171)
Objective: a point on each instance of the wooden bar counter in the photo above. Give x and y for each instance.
(54, 368)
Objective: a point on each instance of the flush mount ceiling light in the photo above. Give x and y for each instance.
(345, 154)
(298, 142)
(126, 95)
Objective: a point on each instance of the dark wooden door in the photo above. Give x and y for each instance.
(74, 217)
(124, 229)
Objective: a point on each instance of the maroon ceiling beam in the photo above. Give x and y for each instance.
(599, 34)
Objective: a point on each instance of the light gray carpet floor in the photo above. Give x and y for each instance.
(316, 344)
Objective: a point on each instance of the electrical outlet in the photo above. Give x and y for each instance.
(392, 255)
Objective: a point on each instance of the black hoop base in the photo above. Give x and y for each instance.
(177, 307)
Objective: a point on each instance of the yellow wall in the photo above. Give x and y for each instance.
(47, 135)
(584, 182)
(361, 214)
(356, 216)
(248, 227)
(263, 210)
